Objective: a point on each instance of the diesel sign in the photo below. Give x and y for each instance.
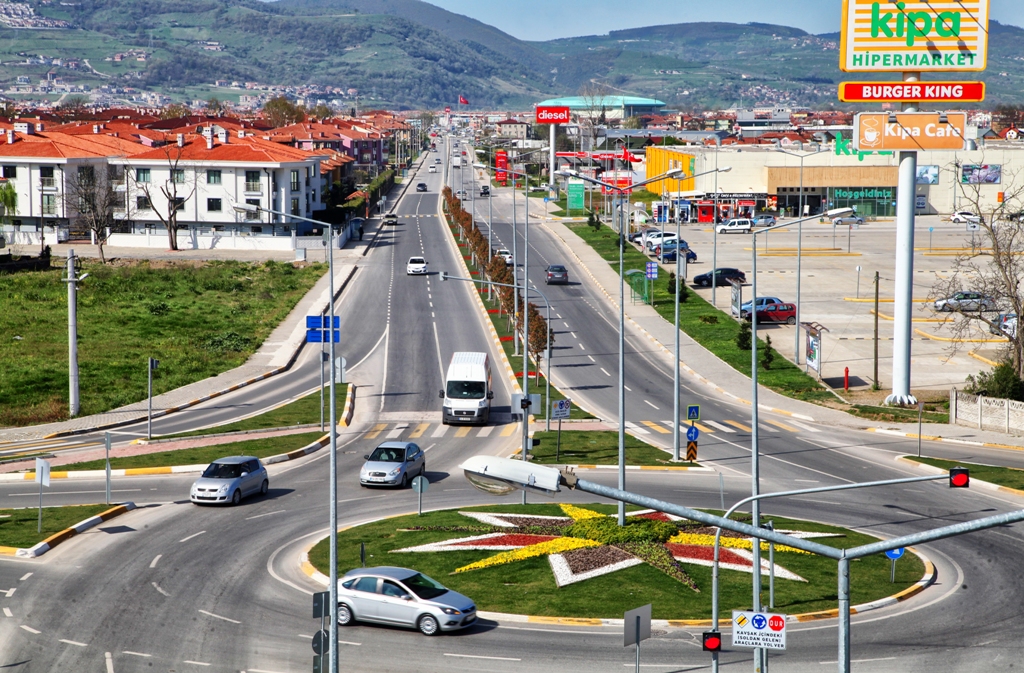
(547, 114)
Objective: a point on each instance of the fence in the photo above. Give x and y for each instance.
(986, 413)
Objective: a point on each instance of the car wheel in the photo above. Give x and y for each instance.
(345, 615)
(265, 487)
(790, 320)
(405, 481)
(428, 625)
(236, 497)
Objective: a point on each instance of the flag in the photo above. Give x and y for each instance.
(462, 100)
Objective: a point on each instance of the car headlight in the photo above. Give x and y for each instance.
(223, 489)
(483, 402)
(450, 611)
(395, 472)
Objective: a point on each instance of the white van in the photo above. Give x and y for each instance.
(467, 390)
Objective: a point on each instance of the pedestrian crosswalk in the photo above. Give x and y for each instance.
(710, 427)
(412, 431)
(26, 448)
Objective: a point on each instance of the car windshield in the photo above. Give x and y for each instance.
(417, 260)
(223, 471)
(384, 454)
(424, 587)
(466, 390)
(556, 268)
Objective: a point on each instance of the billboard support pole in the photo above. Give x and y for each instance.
(551, 160)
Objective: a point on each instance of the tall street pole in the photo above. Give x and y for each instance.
(333, 470)
(755, 479)
(622, 366)
(714, 227)
(72, 281)
(526, 319)
(675, 387)
(515, 271)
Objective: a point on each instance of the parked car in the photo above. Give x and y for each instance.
(669, 243)
(765, 221)
(638, 235)
(416, 266)
(390, 220)
(847, 220)
(966, 301)
(778, 312)
(719, 277)
(739, 226)
(421, 186)
(965, 217)
(669, 255)
(761, 302)
(437, 160)
(505, 255)
(228, 480)
(401, 597)
(1000, 323)
(556, 273)
(392, 464)
(1009, 327)
(657, 238)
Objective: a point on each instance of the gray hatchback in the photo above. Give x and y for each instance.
(402, 597)
(393, 464)
(228, 480)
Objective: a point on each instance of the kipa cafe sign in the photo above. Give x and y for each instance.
(873, 131)
(914, 36)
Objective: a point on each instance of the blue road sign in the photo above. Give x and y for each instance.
(693, 412)
(652, 270)
(315, 322)
(759, 621)
(692, 433)
(895, 553)
(931, 228)
(316, 336)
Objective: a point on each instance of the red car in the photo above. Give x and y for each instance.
(777, 313)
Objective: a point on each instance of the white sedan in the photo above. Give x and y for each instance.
(505, 255)
(417, 266)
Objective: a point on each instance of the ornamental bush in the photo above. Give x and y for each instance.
(607, 530)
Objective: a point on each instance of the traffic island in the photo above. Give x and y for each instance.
(19, 528)
(573, 561)
(599, 448)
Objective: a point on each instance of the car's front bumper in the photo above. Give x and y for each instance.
(367, 480)
(469, 416)
(456, 622)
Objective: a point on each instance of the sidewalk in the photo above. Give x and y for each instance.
(705, 367)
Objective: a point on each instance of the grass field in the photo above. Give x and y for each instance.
(597, 447)
(300, 412)
(707, 325)
(528, 587)
(18, 526)
(260, 448)
(197, 319)
(1010, 477)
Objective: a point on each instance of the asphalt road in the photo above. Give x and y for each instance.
(178, 587)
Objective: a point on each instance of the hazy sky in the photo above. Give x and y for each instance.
(548, 19)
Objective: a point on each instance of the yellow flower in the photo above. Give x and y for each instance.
(579, 513)
(733, 542)
(556, 546)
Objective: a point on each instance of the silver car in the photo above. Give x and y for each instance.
(402, 597)
(228, 480)
(966, 301)
(393, 464)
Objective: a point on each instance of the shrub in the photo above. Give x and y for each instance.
(229, 341)
(608, 531)
(1002, 381)
(769, 355)
(708, 319)
(743, 337)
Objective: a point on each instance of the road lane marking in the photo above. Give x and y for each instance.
(462, 432)
(8, 613)
(36, 493)
(719, 426)
(804, 427)
(807, 481)
(508, 430)
(192, 536)
(766, 428)
(480, 656)
(227, 619)
(418, 432)
(196, 663)
(592, 358)
(628, 388)
(739, 425)
(110, 662)
(485, 431)
(73, 642)
(605, 371)
(781, 425)
(573, 334)
(657, 428)
(129, 653)
(397, 432)
(157, 587)
(439, 431)
(156, 559)
(25, 577)
(30, 629)
(858, 661)
(636, 428)
(258, 516)
(10, 592)
(377, 429)
(582, 347)
(648, 403)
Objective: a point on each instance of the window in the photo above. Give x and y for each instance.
(178, 176)
(252, 181)
(389, 588)
(295, 181)
(178, 203)
(252, 215)
(213, 205)
(86, 175)
(49, 204)
(213, 177)
(10, 172)
(46, 176)
(142, 203)
(295, 207)
(142, 175)
(367, 584)
(115, 174)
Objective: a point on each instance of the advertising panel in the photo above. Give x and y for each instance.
(927, 175)
(877, 131)
(909, 92)
(617, 179)
(913, 36)
(813, 354)
(552, 114)
(500, 164)
(983, 174)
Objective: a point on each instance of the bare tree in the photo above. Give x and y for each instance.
(176, 190)
(993, 269)
(93, 200)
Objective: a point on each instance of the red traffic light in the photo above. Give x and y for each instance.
(712, 641)
(959, 477)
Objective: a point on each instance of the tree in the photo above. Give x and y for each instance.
(743, 336)
(281, 112)
(768, 356)
(214, 107)
(175, 111)
(72, 108)
(994, 268)
(1002, 382)
(321, 112)
(634, 122)
(176, 191)
(92, 199)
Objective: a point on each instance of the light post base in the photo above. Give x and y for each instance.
(907, 400)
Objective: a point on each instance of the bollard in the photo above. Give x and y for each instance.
(846, 379)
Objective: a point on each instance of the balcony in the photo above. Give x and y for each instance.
(253, 187)
(48, 183)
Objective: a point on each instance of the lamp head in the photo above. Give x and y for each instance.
(245, 208)
(672, 172)
(502, 476)
(839, 212)
(479, 165)
(725, 169)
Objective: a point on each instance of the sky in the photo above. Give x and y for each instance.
(550, 19)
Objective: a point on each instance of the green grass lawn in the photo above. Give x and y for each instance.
(260, 448)
(528, 587)
(197, 319)
(933, 413)
(18, 526)
(1011, 477)
(301, 411)
(717, 331)
(597, 447)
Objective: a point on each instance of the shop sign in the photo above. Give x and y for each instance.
(913, 36)
(864, 193)
(909, 92)
(552, 114)
(910, 131)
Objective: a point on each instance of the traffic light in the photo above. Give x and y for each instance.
(959, 477)
(712, 641)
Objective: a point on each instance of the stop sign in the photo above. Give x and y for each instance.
(776, 623)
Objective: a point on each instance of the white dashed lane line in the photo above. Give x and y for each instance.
(649, 404)
(480, 656)
(196, 663)
(192, 536)
(156, 559)
(8, 613)
(73, 642)
(30, 629)
(132, 654)
(226, 619)
(162, 592)
(605, 371)
(25, 577)
(592, 358)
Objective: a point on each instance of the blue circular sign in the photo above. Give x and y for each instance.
(759, 621)
(692, 433)
(894, 553)
(931, 228)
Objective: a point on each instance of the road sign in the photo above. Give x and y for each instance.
(43, 472)
(420, 484)
(575, 190)
(693, 412)
(321, 642)
(909, 92)
(913, 36)
(652, 270)
(895, 553)
(692, 433)
(321, 322)
(561, 409)
(691, 451)
(758, 629)
(321, 601)
(973, 226)
(339, 369)
(875, 131)
(636, 625)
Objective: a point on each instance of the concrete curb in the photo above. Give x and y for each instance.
(949, 440)
(66, 534)
(205, 398)
(649, 468)
(974, 481)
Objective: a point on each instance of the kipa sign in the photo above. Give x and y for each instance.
(874, 131)
(551, 114)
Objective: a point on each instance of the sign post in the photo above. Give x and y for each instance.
(636, 626)
(560, 409)
(552, 115)
(149, 414)
(892, 555)
(43, 479)
(420, 485)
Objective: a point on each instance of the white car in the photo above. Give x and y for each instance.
(964, 217)
(432, 169)
(740, 225)
(657, 238)
(505, 255)
(417, 266)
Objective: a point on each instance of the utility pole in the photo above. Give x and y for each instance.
(877, 384)
(72, 280)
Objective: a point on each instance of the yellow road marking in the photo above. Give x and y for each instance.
(654, 426)
(703, 428)
(736, 424)
(420, 429)
(781, 425)
(508, 430)
(463, 431)
(377, 429)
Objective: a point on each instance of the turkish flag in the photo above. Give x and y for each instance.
(462, 100)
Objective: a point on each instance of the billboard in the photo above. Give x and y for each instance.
(927, 175)
(913, 36)
(500, 164)
(909, 92)
(877, 131)
(552, 114)
(981, 174)
(617, 179)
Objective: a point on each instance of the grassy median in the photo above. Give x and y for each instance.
(597, 447)
(18, 526)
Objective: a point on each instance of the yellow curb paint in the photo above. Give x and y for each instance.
(810, 254)
(865, 300)
(377, 429)
(681, 623)
(960, 341)
(565, 621)
(665, 468)
(8, 551)
(420, 429)
(975, 355)
(824, 614)
(586, 467)
(889, 317)
(134, 471)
